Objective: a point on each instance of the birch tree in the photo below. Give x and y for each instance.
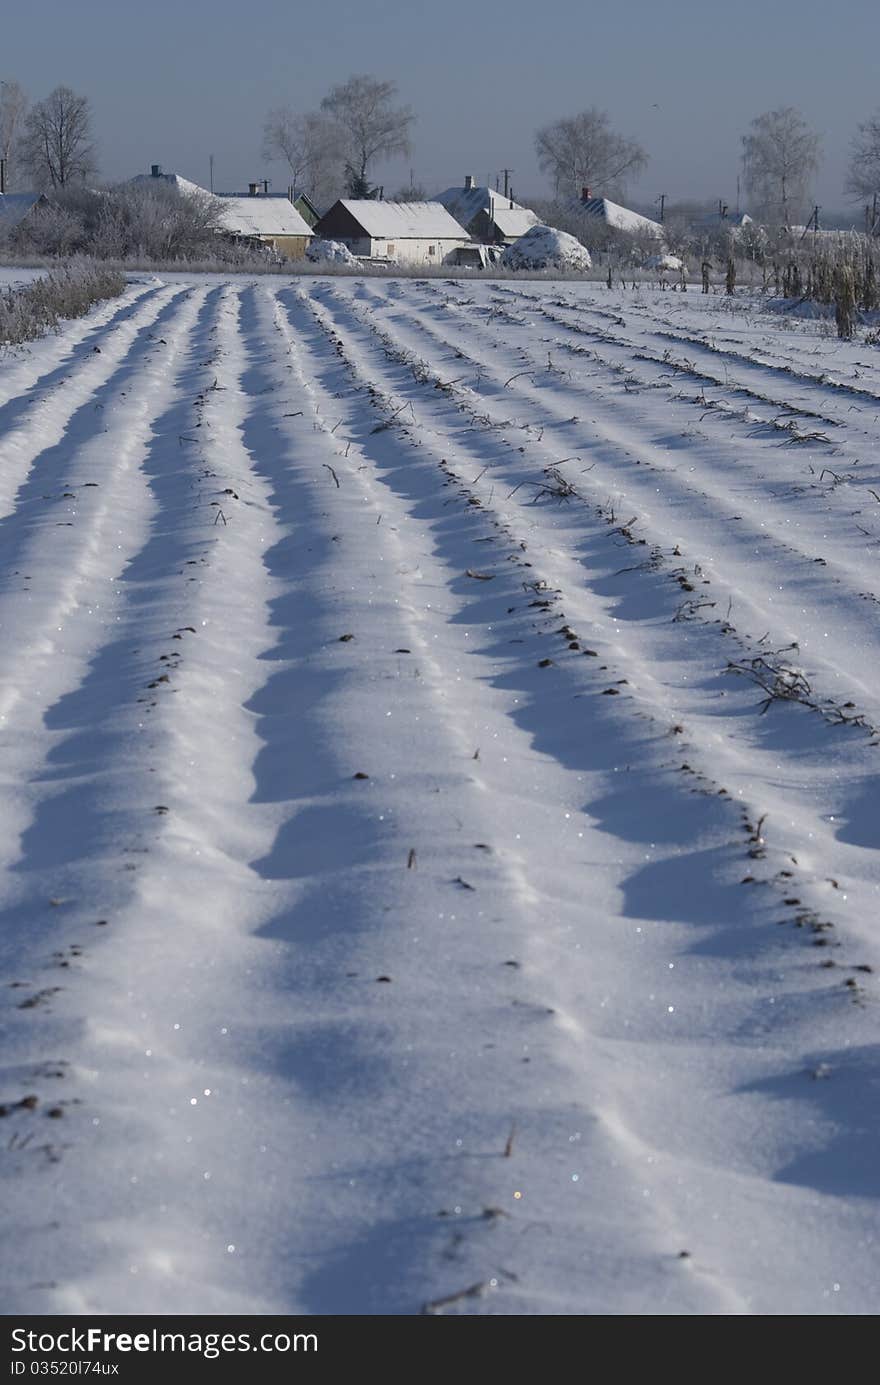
(780, 160)
(312, 146)
(583, 151)
(372, 126)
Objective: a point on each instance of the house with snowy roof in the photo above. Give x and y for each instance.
(156, 177)
(616, 217)
(273, 221)
(416, 233)
(487, 215)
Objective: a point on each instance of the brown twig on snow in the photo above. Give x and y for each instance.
(472, 1291)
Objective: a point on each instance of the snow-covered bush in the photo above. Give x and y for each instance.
(150, 221)
(670, 264)
(543, 247)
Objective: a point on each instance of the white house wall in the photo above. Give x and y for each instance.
(410, 252)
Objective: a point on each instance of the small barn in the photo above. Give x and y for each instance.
(489, 216)
(417, 233)
(274, 221)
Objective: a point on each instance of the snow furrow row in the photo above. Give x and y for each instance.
(405, 910)
(378, 387)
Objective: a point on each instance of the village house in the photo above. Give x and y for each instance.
(416, 233)
(274, 221)
(489, 216)
(618, 218)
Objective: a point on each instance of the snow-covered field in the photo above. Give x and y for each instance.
(440, 795)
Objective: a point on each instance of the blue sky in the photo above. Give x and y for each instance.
(176, 82)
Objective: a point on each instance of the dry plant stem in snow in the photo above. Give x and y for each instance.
(31, 311)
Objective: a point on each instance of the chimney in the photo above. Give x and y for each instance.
(585, 194)
(253, 189)
(468, 182)
(155, 170)
(266, 186)
(511, 199)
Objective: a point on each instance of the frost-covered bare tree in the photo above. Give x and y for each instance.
(313, 147)
(780, 160)
(154, 220)
(373, 127)
(583, 151)
(411, 192)
(13, 109)
(57, 146)
(863, 177)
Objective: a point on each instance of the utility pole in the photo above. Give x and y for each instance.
(813, 223)
(2, 175)
(507, 172)
(211, 162)
(662, 200)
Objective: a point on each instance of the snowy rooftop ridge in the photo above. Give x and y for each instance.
(403, 220)
(515, 221)
(465, 203)
(262, 216)
(621, 218)
(183, 185)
